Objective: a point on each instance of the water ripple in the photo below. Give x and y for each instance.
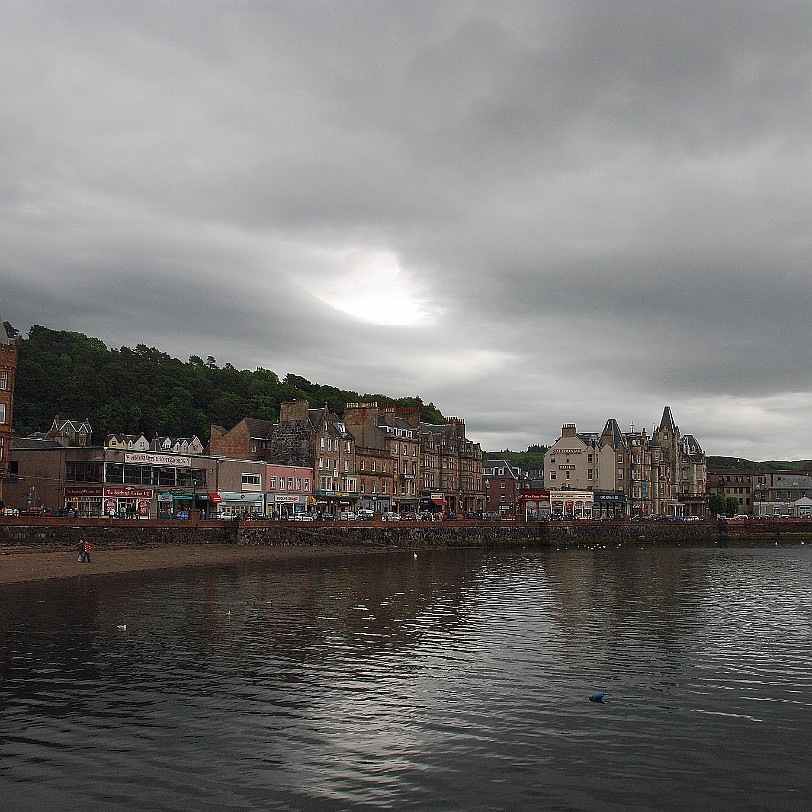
(457, 682)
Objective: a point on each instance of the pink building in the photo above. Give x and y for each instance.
(289, 490)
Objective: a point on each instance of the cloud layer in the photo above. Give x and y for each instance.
(528, 213)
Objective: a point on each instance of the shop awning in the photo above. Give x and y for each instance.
(215, 498)
(440, 502)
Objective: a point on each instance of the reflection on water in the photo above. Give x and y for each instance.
(455, 680)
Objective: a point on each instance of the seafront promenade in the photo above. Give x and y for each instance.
(63, 533)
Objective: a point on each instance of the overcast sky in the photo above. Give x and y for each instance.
(528, 213)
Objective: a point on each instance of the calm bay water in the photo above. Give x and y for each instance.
(457, 680)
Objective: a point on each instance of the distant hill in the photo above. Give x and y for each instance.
(145, 390)
(534, 461)
(739, 464)
(526, 460)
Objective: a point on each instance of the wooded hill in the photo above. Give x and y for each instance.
(145, 390)
(128, 391)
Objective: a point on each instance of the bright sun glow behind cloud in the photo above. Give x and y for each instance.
(372, 286)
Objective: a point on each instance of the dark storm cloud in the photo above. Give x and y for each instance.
(598, 208)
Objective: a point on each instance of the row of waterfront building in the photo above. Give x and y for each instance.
(378, 457)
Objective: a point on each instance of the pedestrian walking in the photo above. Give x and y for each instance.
(87, 553)
(82, 553)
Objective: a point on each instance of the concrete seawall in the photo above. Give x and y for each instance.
(37, 532)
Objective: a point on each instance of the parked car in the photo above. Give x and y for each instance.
(347, 516)
(301, 517)
(389, 516)
(364, 515)
(35, 512)
(12, 512)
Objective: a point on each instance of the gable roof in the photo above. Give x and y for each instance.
(667, 421)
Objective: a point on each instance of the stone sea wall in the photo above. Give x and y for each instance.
(38, 532)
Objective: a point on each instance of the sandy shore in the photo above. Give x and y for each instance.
(19, 564)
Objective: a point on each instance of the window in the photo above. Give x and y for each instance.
(620, 473)
(2, 412)
(281, 483)
(589, 473)
(290, 483)
(552, 474)
(272, 483)
(373, 465)
(298, 483)
(306, 483)
(322, 442)
(346, 465)
(251, 479)
(3, 380)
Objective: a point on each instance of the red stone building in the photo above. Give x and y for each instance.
(9, 342)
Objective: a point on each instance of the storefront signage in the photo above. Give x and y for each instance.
(140, 458)
(75, 493)
(215, 498)
(129, 493)
(569, 467)
(566, 451)
(285, 499)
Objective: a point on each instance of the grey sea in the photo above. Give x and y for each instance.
(449, 680)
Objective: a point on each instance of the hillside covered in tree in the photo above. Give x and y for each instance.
(145, 390)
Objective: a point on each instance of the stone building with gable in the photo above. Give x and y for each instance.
(452, 478)
(387, 447)
(319, 440)
(631, 473)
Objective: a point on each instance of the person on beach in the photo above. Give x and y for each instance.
(82, 553)
(87, 552)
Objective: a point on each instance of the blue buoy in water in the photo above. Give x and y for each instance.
(597, 696)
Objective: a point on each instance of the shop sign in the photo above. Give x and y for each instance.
(215, 498)
(128, 493)
(285, 499)
(169, 460)
(75, 493)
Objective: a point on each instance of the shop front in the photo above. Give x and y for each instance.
(285, 505)
(376, 502)
(535, 504)
(433, 503)
(571, 504)
(334, 502)
(179, 503)
(233, 503)
(610, 505)
(112, 501)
